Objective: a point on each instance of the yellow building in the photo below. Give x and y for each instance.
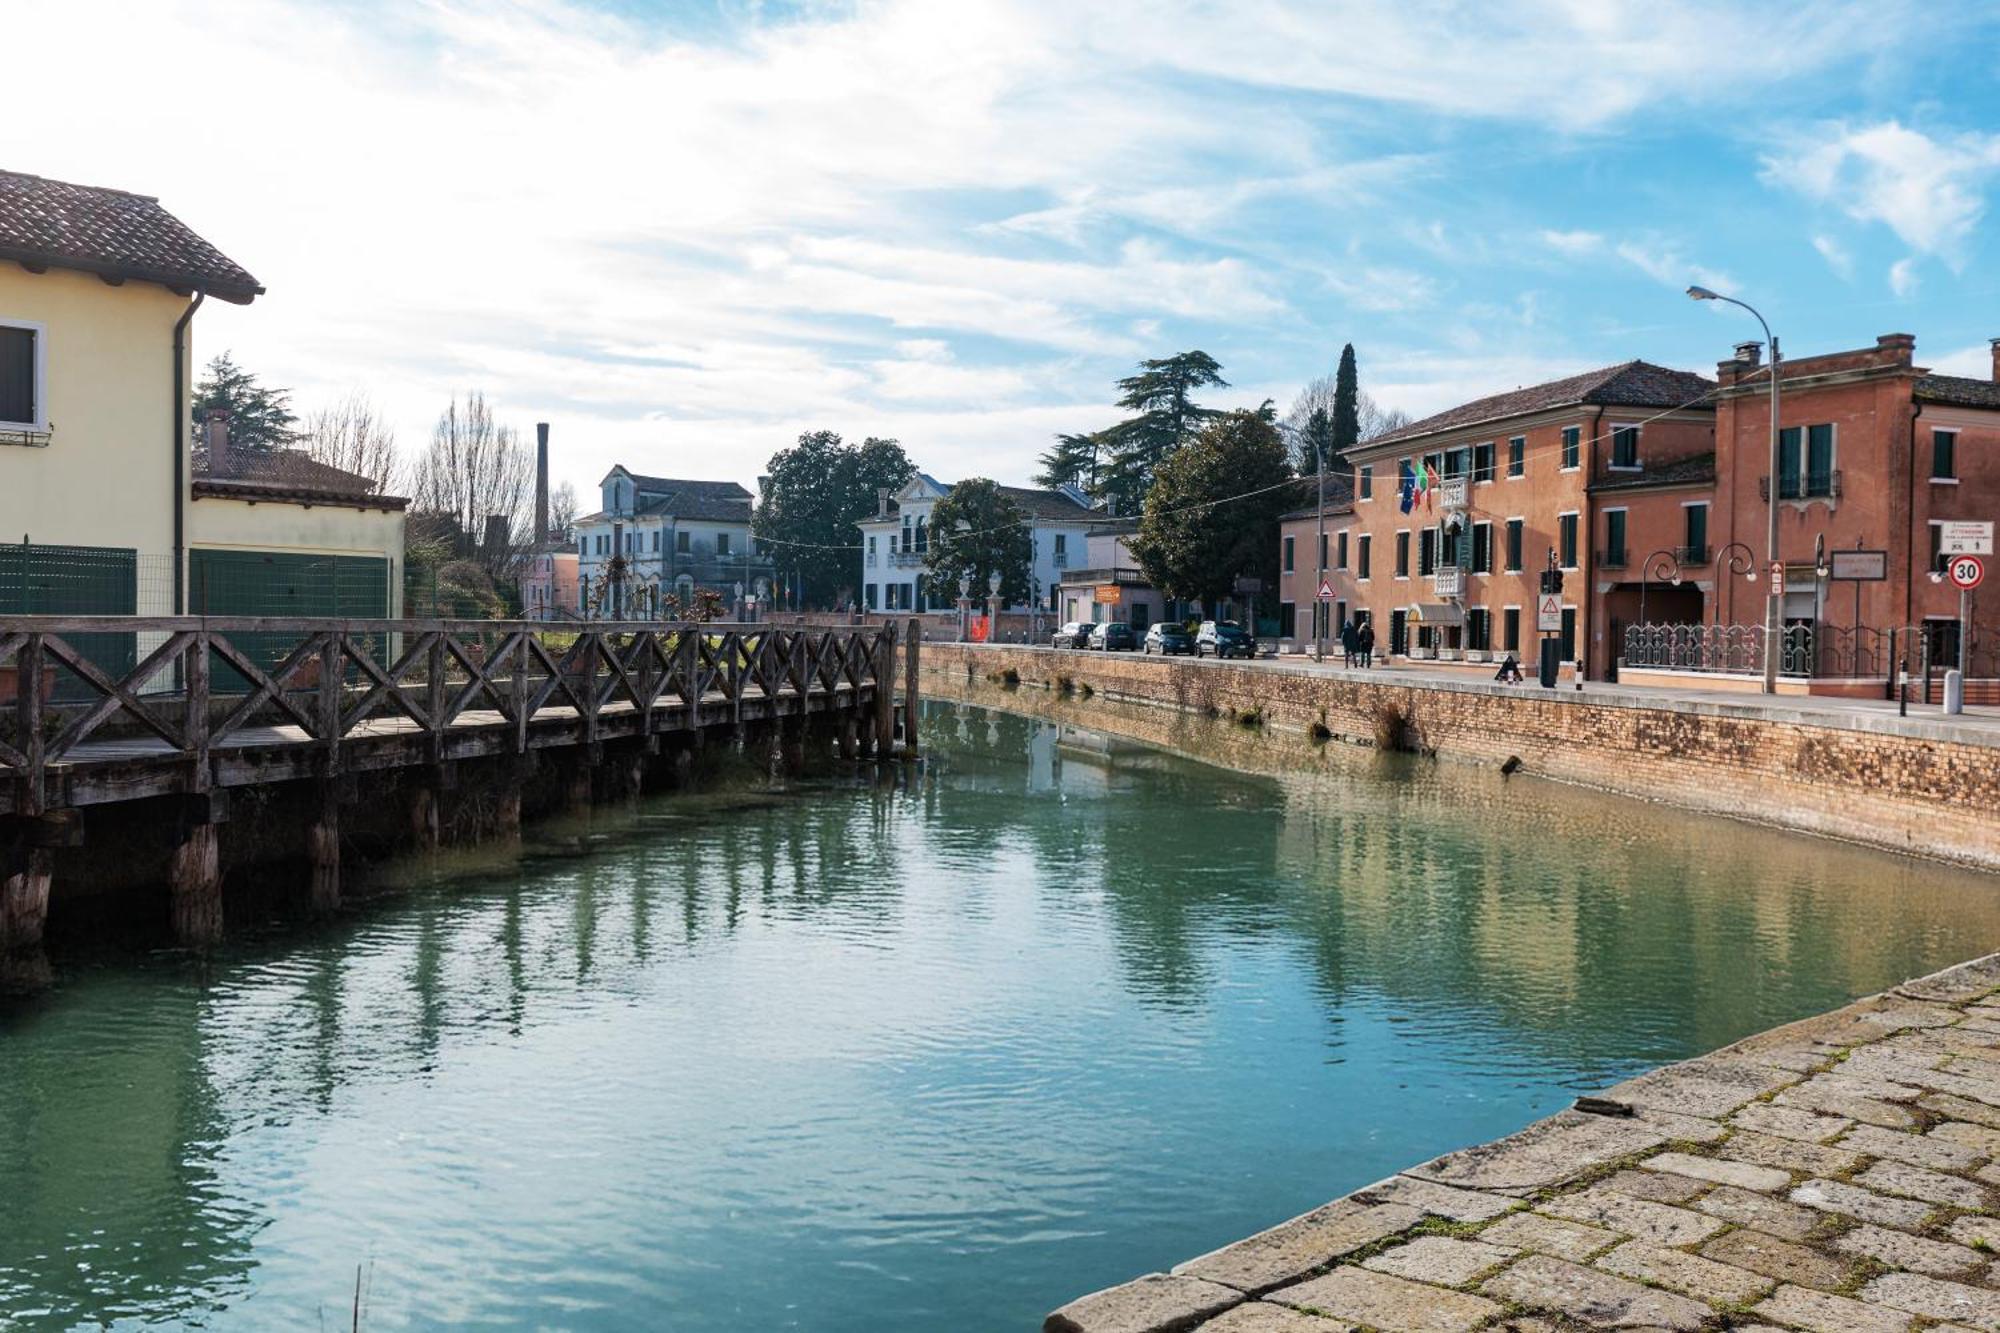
(106, 506)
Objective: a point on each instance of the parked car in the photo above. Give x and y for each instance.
(1169, 640)
(1076, 634)
(1224, 638)
(1114, 636)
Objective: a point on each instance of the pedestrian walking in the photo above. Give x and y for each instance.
(1350, 641)
(1365, 641)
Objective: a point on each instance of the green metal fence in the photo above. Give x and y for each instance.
(40, 580)
(276, 583)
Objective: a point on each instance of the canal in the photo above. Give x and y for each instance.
(1061, 1009)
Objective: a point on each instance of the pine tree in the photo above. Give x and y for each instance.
(1072, 461)
(260, 418)
(1346, 406)
(1162, 394)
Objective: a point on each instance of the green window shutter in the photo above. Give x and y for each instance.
(1788, 462)
(1819, 460)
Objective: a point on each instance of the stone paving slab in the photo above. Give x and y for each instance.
(1377, 1300)
(1836, 1175)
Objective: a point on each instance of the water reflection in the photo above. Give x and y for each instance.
(938, 1053)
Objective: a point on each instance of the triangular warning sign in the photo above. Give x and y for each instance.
(1326, 590)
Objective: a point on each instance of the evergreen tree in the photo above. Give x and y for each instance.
(1162, 395)
(975, 531)
(1346, 407)
(1212, 515)
(1073, 460)
(813, 495)
(260, 417)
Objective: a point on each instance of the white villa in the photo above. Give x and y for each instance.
(673, 536)
(895, 540)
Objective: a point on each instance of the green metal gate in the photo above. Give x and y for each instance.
(280, 583)
(37, 580)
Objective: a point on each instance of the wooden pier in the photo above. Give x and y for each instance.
(215, 706)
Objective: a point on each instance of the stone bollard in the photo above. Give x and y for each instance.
(1954, 691)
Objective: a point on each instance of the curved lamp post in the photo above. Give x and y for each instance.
(1735, 558)
(1774, 596)
(1662, 565)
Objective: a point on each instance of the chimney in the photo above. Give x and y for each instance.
(496, 533)
(1750, 354)
(882, 494)
(1901, 346)
(541, 484)
(1995, 344)
(216, 423)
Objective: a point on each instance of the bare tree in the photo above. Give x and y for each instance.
(1318, 396)
(562, 513)
(475, 470)
(352, 436)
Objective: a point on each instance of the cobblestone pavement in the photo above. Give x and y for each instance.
(1838, 1175)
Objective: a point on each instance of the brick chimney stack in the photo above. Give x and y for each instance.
(1995, 344)
(541, 485)
(216, 424)
(1751, 354)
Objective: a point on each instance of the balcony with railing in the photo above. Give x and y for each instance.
(1803, 486)
(1448, 581)
(1612, 559)
(906, 559)
(1452, 493)
(1692, 555)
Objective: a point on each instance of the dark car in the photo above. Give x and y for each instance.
(1224, 638)
(1076, 634)
(1114, 637)
(1169, 641)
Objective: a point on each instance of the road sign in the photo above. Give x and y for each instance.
(1326, 590)
(1549, 612)
(1966, 571)
(1108, 594)
(1858, 566)
(1962, 537)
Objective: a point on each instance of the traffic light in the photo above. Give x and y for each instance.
(1552, 580)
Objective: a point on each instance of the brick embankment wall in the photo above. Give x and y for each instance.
(1908, 785)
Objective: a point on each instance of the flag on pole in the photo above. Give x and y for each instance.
(1408, 498)
(1430, 486)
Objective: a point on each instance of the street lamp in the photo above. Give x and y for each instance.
(1774, 597)
(1664, 565)
(1320, 608)
(1735, 558)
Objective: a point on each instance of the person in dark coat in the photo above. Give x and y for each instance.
(1365, 642)
(1350, 641)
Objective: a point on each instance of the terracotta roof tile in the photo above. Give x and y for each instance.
(113, 233)
(1958, 391)
(1631, 384)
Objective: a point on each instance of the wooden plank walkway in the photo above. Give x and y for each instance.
(361, 696)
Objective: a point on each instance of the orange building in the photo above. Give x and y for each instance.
(1647, 487)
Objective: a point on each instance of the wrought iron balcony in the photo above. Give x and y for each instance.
(1692, 555)
(906, 559)
(1805, 486)
(1060, 559)
(1611, 559)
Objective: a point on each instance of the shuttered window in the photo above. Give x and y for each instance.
(18, 349)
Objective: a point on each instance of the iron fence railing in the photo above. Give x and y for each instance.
(1856, 652)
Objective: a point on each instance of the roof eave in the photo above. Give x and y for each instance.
(181, 284)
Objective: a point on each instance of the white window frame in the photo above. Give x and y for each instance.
(1511, 519)
(1936, 431)
(41, 331)
(1364, 493)
(1510, 474)
(1402, 551)
(1369, 577)
(1610, 442)
(1561, 443)
(1342, 542)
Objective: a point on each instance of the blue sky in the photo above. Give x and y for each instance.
(684, 233)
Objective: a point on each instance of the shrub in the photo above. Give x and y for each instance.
(1395, 727)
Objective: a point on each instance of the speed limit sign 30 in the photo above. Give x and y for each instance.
(1966, 571)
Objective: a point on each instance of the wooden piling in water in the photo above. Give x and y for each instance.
(910, 689)
(885, 695)
(24, 898)
(323, 851)
(194, 883)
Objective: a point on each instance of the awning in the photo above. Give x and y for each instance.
(1447, 614)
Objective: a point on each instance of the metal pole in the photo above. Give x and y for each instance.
(1774, 605)
(1320, 608)
(1964, 631)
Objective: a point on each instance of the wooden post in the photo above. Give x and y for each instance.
(194, 879)
(910, 689)
(323, 850)
(424, 818)
(576, 789)
(885, 694)
(24, 897)
(850, 735)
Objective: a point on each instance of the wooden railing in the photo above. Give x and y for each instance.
(329, 678)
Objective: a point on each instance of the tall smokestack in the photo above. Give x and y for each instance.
(541, 484)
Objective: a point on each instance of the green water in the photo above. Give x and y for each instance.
(1061, 1010)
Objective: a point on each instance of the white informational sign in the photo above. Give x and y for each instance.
(1965, 537)
(1326, 588)
(1549, 612)
(1966, 571)
(1858, 566)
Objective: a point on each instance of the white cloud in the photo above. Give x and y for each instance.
(1929, 191)
(1903, 277)
(1574, 242)
(1661, 260)
(1835, 255)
